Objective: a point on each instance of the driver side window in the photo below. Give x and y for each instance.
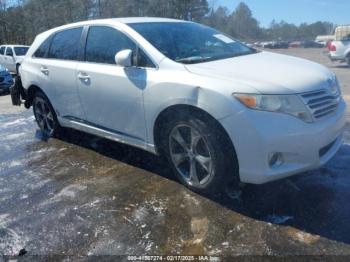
(104, 42)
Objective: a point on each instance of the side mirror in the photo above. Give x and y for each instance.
(124, 58)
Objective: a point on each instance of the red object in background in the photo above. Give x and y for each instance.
(331, 47)
(295, 44)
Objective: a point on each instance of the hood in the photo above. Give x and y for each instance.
(267, 73)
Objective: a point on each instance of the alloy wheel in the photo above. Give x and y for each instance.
(44, 116)
(191, 156)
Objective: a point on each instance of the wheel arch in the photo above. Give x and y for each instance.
(169, 112)
(17, 67)
(31, 94)
(347, 58)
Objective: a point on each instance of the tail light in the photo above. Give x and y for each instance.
(332, 47)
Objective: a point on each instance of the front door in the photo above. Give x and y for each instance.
(111, 96)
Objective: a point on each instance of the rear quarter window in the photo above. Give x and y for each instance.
(21, 51)
(43, 49)
(2, 50)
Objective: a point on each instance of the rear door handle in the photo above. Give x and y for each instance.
(45, 70)
(84, 77)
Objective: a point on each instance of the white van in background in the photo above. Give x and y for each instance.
(324, 39)
(339, 49)
(11, 56)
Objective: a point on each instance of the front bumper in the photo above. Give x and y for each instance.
(334, 57)
(257, 134)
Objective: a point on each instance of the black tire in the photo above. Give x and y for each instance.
(45, 115)
(15, 90)
(348, 60)
(17, 69)
(224, 167)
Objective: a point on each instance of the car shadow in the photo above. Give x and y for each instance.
(4, 93)
(315, 202)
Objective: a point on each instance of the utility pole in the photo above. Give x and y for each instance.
(99, 8)
(141, 7)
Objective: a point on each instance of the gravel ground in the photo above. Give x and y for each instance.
(82, 196)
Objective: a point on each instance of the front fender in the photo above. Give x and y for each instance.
(215, 104)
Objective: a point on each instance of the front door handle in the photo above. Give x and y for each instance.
(84, 77)
(45, 70)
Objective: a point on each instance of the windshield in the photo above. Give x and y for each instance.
(190, 43)
(21, 51)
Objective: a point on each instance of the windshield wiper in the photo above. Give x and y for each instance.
(199, 59)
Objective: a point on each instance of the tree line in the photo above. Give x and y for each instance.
(22, 20)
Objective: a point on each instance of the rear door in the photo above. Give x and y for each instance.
(59, 69)
(9, 59)
(112, 96)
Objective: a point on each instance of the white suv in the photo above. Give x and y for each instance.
(339, 49)
(11, 56)
(220, 111)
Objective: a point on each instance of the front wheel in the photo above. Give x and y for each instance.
(199, 155)
(45, 115)
(17, 69)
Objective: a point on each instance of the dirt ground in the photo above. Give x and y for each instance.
(82, 196)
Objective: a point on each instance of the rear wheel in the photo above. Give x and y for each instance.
(348, 60)
(45, 115)
(198, 155)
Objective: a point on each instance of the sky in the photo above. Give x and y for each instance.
(293, 11)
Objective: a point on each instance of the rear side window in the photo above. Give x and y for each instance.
(2, 50)
(42, 51)
(104, 42)
(9, 51)
(65, 45)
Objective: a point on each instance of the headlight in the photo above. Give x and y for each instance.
(287, 104)
(335, 87)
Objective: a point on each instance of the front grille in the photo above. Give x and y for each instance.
(321, 103)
